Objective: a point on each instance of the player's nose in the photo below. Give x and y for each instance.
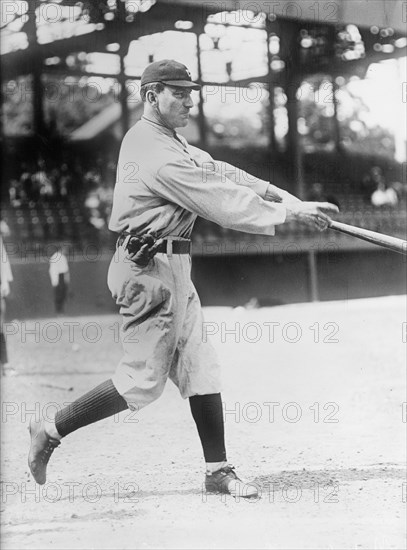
(188, 102)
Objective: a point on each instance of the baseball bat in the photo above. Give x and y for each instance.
(392, 243)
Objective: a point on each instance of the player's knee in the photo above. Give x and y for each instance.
(138, 398)
(156, 392)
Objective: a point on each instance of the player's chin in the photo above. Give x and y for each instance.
(183, 120)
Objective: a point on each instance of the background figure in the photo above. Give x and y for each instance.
(384, 196)
(59, 274)
(6, 279)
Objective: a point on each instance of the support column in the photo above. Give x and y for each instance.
(37, 89)
(124, 48)
(201, 114)
(294, 142)
(313, 276)
(38, 107)
(123, 96)
(290, 52)
(337, 129)
(270, 79)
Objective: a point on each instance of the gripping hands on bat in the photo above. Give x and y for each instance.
(311, 213)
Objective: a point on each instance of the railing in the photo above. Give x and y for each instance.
(68, 221)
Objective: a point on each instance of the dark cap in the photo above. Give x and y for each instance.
(168, 72)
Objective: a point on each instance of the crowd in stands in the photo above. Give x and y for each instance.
(42, 186)
(37, 183)
(73, 201)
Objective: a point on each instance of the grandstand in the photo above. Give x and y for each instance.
(284, 96)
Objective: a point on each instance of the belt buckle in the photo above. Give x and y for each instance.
(126, 241)
(123, 241)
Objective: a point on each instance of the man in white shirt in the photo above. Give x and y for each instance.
(162, 185)
(59, 275)
(6, 279)
(384, 196)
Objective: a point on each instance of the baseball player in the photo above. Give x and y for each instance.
(6, 278)
(163, 184)
(59, 275)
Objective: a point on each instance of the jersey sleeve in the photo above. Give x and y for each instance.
(240, 177)
(208, 195)
(227, 171)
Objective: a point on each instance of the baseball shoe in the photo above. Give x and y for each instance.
(42, 447)
(226, 481)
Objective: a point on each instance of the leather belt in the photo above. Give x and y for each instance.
(168, 246)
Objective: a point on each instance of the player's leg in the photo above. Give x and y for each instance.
(57, 298)
(101, 402)
(141, 374)
(63, 291)
(5, 367)
(220, 476)
(196, 372)
(3, 343)
(3, 352)
(207, 413)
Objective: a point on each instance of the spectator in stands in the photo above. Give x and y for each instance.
(4, 228)
(92, 178)
(95, 219)
(26, 182)
(16, 193)
(65, 181)
(106, 201)
(98, 200)
(371, 181)
(42, 180)
(59, 275)
(93, 204)
(383, 194)
(54, 177)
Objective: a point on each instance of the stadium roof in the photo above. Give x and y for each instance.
(364, 13)
(61, 26)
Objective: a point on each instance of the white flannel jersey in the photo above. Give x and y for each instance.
(163, 184)
(6, 273)
(58, 264)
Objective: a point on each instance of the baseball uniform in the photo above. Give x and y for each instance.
(163, 184)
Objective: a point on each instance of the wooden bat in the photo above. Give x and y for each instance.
(392, 243)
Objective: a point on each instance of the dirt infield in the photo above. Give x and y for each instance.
(314, 398)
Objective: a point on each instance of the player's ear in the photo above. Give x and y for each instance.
(151, 97)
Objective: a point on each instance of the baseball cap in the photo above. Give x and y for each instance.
(168, 72)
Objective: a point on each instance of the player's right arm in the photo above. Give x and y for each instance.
(231, 206)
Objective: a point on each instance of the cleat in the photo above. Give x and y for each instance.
(226, 481)
(42, 447)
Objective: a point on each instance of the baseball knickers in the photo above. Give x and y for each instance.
(162, 330)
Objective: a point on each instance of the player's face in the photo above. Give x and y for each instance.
(175, 104)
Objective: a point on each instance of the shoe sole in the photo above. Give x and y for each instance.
(216, 491)
(30, 431)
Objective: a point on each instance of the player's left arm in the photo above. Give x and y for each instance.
(264, 189)
(276, 194)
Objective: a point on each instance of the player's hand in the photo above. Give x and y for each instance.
(141, 250)
(311, 213)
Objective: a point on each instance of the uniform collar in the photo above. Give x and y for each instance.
(158, 126)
